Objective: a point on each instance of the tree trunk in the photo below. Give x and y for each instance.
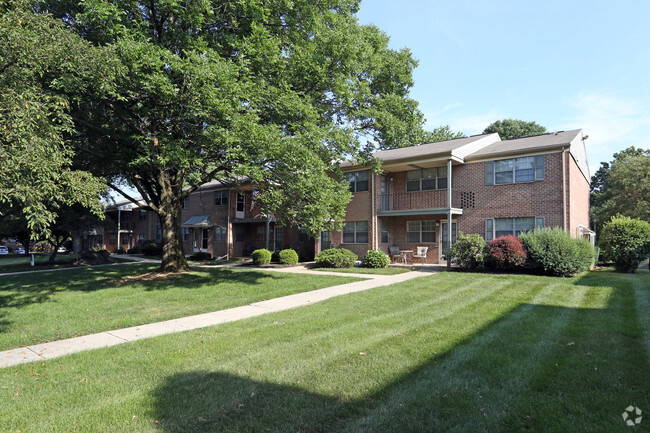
(173, 259)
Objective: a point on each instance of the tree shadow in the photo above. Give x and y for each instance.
(537, 367)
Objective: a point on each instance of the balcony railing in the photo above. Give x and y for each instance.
(423, 200)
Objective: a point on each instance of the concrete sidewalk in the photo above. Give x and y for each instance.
(59, 348)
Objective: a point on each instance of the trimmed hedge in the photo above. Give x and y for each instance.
(626, 242)
(336, 258)
(200, 256)
(375, 259)
(288, 257)
(507, 252)
(261, 256)
(552, 251)
(470, 251)
(151, 248)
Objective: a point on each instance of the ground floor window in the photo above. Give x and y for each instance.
(496, 227)
(158, 234)
(141, 238)
(355, 232)
(186, 233)
(100, 240)
(325, 240)
(219, 234)
(421, 231)
(384, 232)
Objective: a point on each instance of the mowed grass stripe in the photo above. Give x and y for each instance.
(423, 374)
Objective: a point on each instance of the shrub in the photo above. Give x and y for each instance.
(552, 251)
(200, 256)
(507, 252)
(152, 248)
(120, 251)
(261, 256)
(469, 250)
(375, 259)
(626, 242)
(288, 257)
(135, 250)
(336, 258)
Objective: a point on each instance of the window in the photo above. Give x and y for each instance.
(384, 232)
(158, 234)
(240, 234)
(219, 234)
(100, 240)
(355, 232)
(142, 215)
(186, 233)
(141, 238)
(516, 170)
(325, 240)
(186, 202)
(426, 179)
(496, 227)
(358, 180)
(124, 239)
(221, 197)
(303, 236)
(420, 232)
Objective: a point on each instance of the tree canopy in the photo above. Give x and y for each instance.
(622, 186)
(271, 92)
(39, 61)
(509, 129)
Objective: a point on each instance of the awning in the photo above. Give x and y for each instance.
(198, 221)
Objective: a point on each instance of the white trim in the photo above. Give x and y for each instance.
(510, 155)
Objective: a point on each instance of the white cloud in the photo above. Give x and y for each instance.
(612, 122)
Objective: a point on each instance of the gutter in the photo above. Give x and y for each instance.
(564, 195)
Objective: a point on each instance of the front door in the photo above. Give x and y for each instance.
(443, 236)
(279, 242)
(240, 206)
(196, 239)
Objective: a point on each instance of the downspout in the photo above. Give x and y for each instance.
(229, 232)
(564, 218)
(449, 222)
(119, 216)
(373, 213)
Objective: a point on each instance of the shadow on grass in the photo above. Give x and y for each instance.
(535, 368)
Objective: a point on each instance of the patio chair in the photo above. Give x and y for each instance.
(394, 252)
(421, 253)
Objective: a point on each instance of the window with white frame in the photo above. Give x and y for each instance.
(496, 227)
(221, 197)
(426, 179)
(186, 202)
(384, 232)
(142, 215)
(515, 170)
(219, 234)
(355, 232)
(186, 233)
(421, 232)
(358, 180)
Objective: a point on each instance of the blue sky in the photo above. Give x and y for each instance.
(563, 64)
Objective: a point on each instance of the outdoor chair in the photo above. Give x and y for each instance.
(394, 252)
(421, 253)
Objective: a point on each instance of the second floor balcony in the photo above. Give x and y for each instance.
(420, 202)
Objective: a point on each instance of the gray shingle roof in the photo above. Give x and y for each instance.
(543, 142)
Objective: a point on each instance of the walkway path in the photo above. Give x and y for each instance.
(59, 348)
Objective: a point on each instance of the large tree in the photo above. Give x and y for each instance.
(275, 92)
(40, 60)
(622, 186)
(509, 129)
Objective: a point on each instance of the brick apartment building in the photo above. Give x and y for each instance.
(481, 183)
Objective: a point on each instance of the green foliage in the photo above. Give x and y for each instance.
(200, 256)
(469, 250)
(336, 258)
(120, 250)
(622, 186)
(552, 251)
(43, 69)
(510, 129)
(261, 256)
(626, 241)
(506, 252)
(375, 259)
(136, 249)
(152, 248)
(288, 257)
(268, 91)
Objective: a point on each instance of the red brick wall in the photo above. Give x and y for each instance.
(578, 197)
(531, 199)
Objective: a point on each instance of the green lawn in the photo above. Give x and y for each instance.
(35, 308)
(13, 263)
(381, 271)
(449, 352)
